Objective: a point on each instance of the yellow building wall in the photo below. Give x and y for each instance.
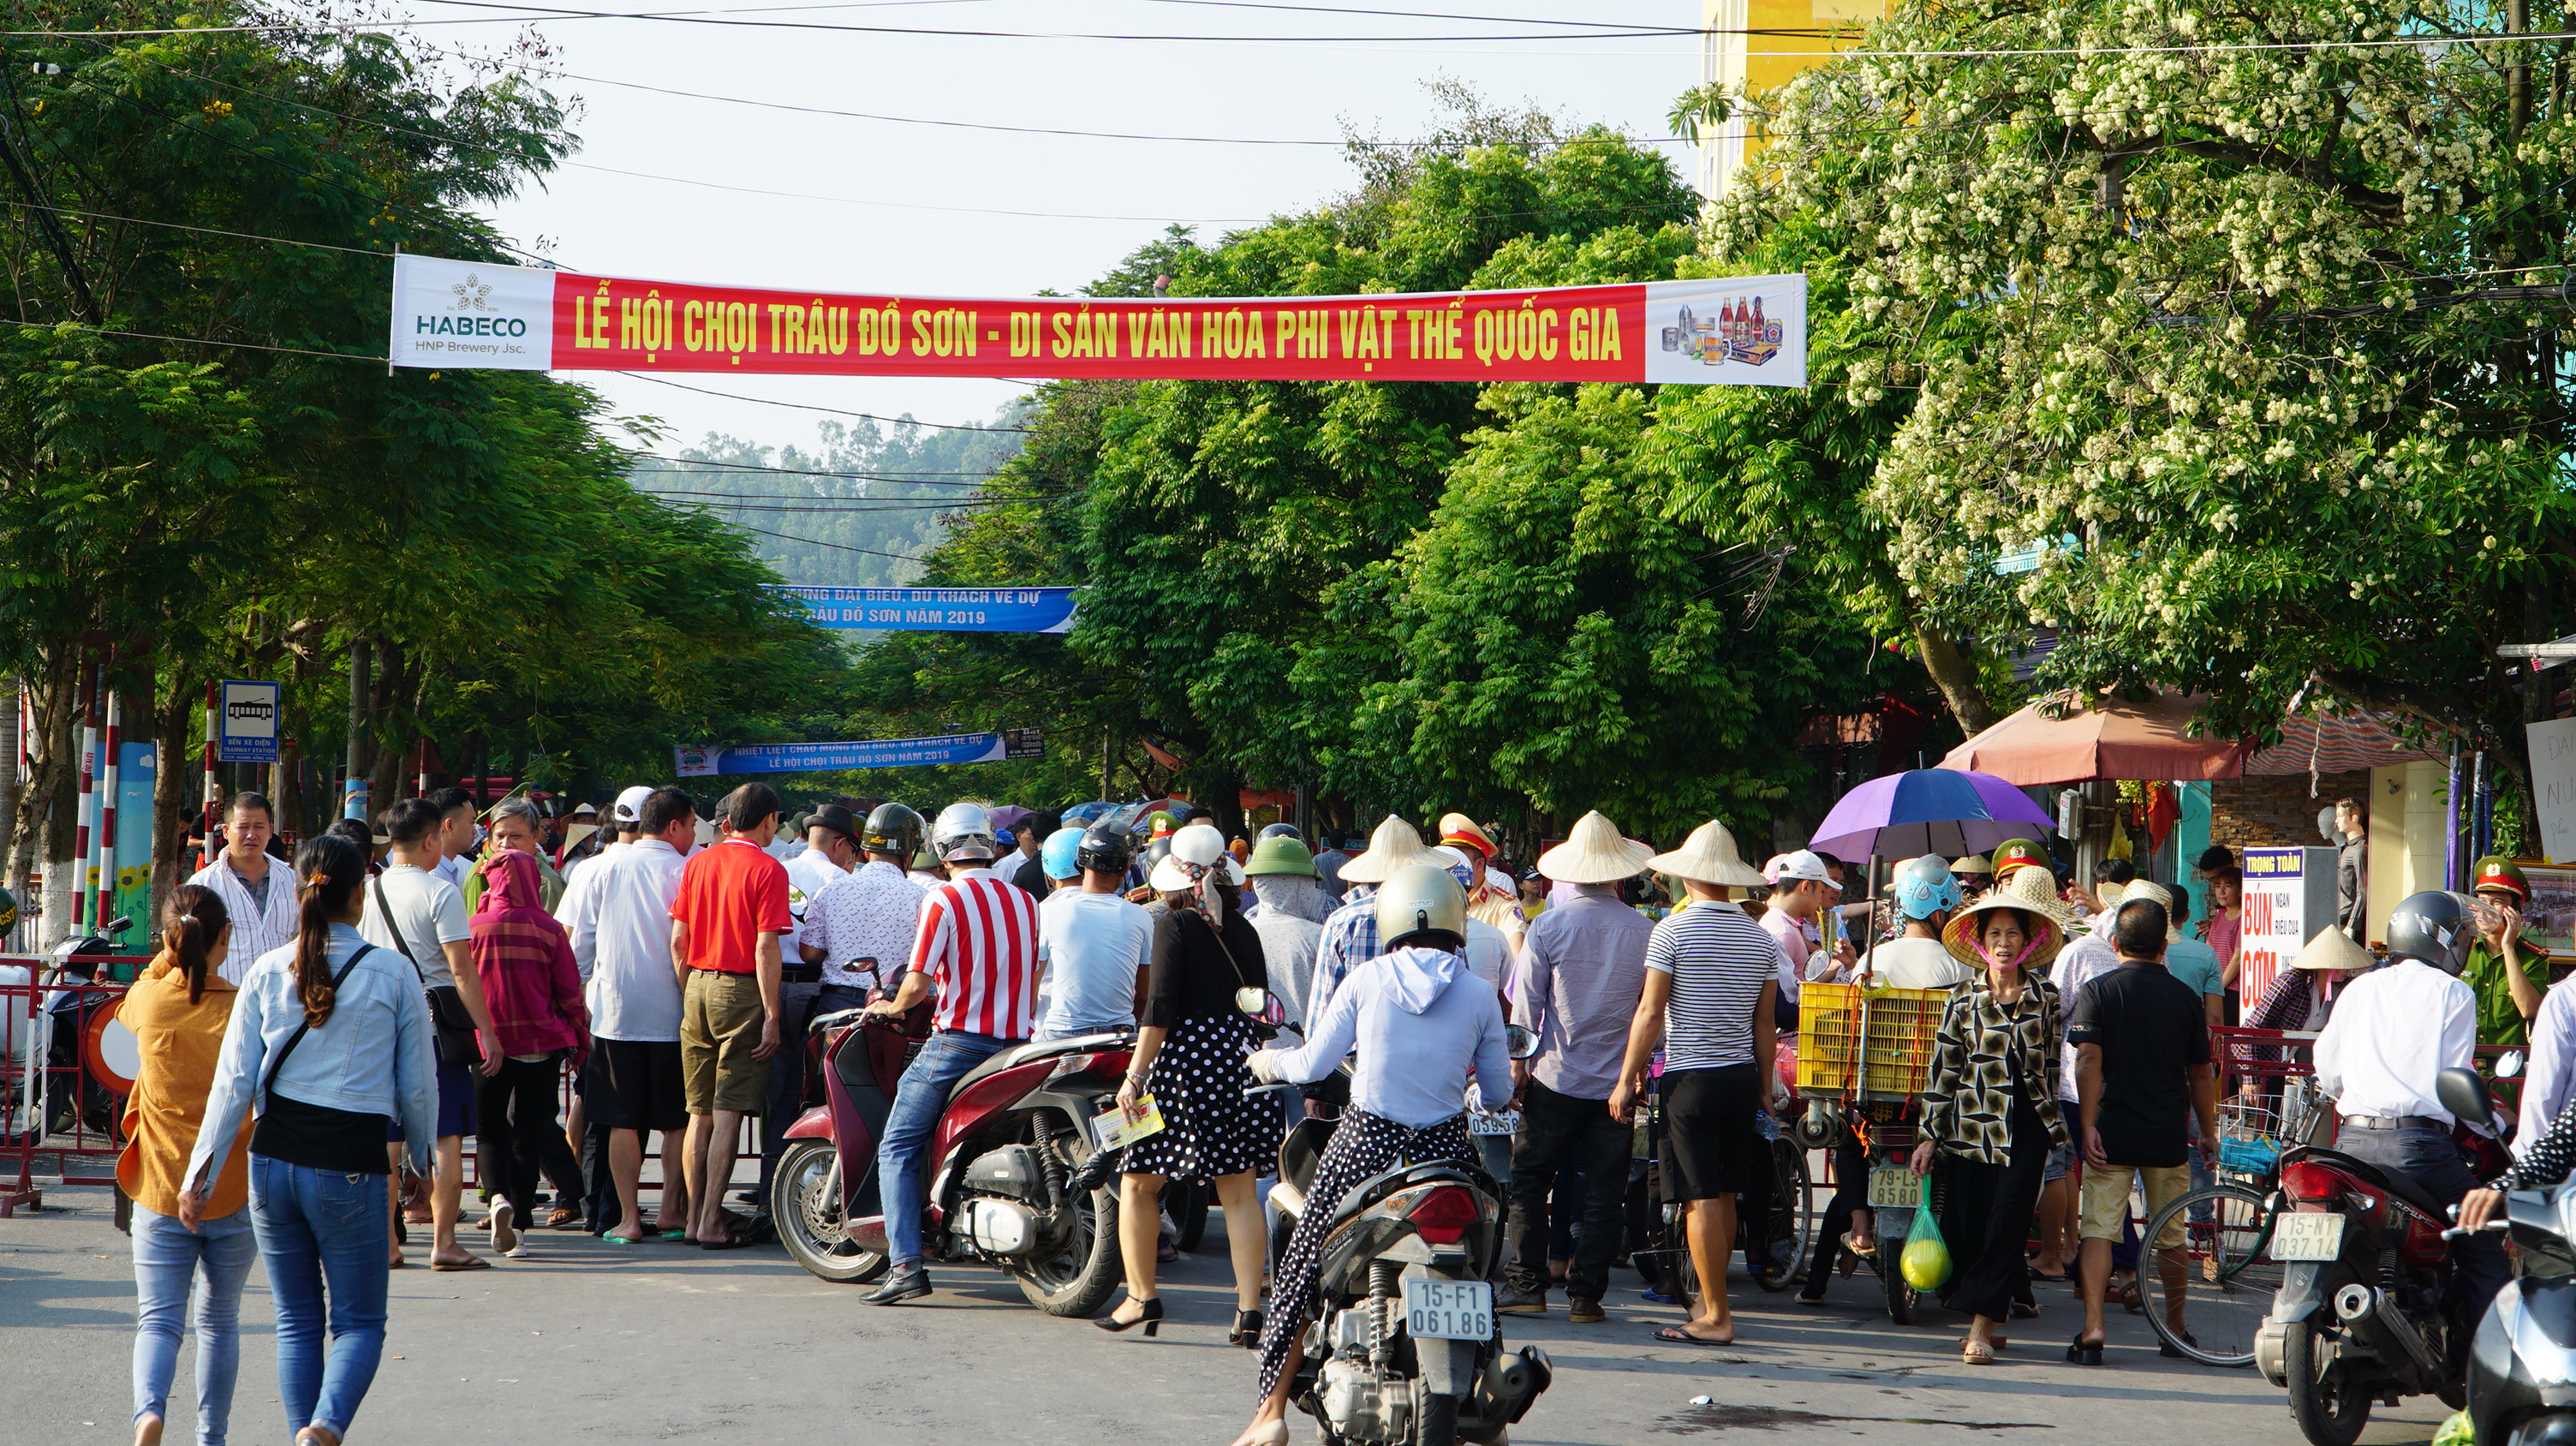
(1752, 64)
(2409, 809)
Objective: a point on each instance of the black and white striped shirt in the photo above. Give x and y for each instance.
(1719, 960)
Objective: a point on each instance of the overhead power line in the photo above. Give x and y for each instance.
(810, 407)
(817, 542)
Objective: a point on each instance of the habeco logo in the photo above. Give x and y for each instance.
(473, 295)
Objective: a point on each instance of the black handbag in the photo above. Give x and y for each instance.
(452, 1024)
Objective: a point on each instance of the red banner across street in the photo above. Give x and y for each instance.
(1744, 330)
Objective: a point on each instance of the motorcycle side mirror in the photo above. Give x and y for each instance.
(1520, 1041)
(1254, 1000)
(2509, 1064)
(2465, 1095)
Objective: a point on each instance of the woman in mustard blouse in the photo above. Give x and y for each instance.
(178, 1011)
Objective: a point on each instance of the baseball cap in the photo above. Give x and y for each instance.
(1804, 864)
(584, 807)
(629, 807)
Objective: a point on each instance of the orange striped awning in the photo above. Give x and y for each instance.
(2337, 744)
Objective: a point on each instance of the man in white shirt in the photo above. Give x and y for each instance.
(860, 929)
(2392, 1032)
(1925, 891)
(2550, 1080)
(831, 850)
(619, 917)
(258, 891)
(1093, 944)
(413, 912)
(456, 834)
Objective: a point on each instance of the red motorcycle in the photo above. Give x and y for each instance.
(1002, 1160)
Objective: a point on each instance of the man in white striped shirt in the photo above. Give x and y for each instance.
(258, 891)
(978, 947)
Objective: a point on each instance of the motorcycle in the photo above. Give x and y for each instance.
(1003, 1154)
(1402, 1345)
(2522, 1361)
(1884, 1131)
(2367, 1308)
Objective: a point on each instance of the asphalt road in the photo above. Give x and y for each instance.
(590, 1341)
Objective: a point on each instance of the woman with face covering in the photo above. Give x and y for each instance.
(1990, 1117)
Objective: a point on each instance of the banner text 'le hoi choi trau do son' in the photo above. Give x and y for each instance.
(1738, 330)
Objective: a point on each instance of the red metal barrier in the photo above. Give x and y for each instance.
(51, 1105)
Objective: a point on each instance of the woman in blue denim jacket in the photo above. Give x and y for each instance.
(330, 1043)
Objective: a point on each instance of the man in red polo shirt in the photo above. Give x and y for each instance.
(725, 925)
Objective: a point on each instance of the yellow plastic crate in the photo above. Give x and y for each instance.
(1898, 1051)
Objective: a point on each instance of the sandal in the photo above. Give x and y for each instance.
(1857, 1246)
(1677, 1336)
(1976, 1353)
(2130, 1300)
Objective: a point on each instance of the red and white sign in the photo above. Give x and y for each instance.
(2272, 930)
(1737, 330)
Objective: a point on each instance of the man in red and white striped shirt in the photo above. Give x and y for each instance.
(978, 947)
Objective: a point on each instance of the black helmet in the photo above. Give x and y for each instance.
(891, 829)
(1105, 849)
(1282, 830)
(2435, 927)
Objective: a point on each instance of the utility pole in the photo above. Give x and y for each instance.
(353, 791)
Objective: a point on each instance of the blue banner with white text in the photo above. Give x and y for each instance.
(710, 762)
(942, 609)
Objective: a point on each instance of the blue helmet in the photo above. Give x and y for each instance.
(1058, 854)
(1925, 887)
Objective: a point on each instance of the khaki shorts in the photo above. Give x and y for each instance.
(720, 1019)
(2106, 1198)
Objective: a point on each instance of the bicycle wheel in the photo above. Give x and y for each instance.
(1793, 1219)
(2209, 1297)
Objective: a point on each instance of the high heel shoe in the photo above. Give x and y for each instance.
(2084, 1352)
(1151, 1320)
(1247, 1330)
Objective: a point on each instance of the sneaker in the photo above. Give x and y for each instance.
(1652, 1296)
(1509, 1301)
(1579, 1311)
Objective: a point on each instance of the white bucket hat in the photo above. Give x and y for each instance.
(1595, 852)
(1393, 846)
(1198, 852)
(1708, 856)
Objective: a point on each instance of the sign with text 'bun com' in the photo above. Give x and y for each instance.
(1734, 330)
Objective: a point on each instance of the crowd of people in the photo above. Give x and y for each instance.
(322, 1035)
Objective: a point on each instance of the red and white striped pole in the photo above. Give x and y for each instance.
(106, 906)
(206, 853)
(88, 791)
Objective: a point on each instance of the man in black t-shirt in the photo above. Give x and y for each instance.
(2141, 1062)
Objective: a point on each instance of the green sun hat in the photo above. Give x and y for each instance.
(1281, 855)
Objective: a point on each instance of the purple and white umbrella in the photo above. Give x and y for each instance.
(1947, 811)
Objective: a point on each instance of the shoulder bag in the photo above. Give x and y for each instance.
(306, 1028)
(451, 1021)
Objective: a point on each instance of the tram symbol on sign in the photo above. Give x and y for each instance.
(1737, 333)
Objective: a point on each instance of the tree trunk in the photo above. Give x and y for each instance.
(1954, 671)
(178, 772)
(359, 690)
(49, 792)
(385, 781)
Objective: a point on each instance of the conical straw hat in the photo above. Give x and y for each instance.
(1708, 856)
(2332, 948)
(1395, 845)
(1594, 853)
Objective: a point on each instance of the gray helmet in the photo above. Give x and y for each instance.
(891, 829)
(964, 831)
(1105, 849)
(1925, 887)
(1281, 830)
(1421, 904)
(2435, 927)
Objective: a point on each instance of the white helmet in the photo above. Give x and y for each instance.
(964, 831)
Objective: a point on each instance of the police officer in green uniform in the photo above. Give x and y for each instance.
(2508, 969)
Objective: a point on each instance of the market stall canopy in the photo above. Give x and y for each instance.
(1945, 811)
(2099, 738)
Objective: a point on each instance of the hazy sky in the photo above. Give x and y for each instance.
(909, 208)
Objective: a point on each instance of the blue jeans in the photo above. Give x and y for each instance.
(918, 1100)
(322, 1237)
(167, 1259)
(2432, 1161)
